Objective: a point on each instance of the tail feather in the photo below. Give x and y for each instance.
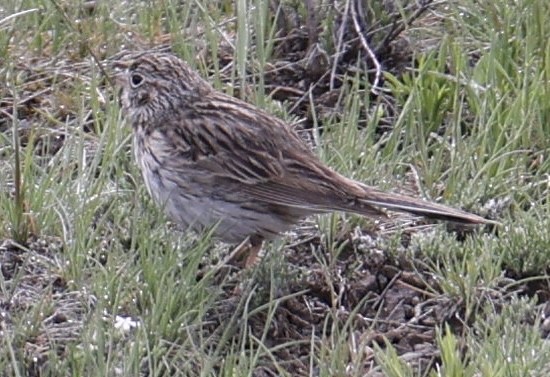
(402, 203)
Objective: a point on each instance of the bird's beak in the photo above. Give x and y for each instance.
(120, 67)
(120, 79)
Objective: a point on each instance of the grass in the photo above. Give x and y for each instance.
(94, 280)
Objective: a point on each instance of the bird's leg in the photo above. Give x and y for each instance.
(252, 257)
(246, 253)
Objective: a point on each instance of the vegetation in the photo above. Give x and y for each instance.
(449, 100)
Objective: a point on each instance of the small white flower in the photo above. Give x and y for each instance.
(125, 324)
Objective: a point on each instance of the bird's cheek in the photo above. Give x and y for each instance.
(143, 98)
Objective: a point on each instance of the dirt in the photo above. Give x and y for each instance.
(369, 294)
(367, 291)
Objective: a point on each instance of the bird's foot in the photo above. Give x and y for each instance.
(245, 255)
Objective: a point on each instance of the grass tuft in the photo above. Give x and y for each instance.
(94, 281)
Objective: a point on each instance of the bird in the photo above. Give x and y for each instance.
(213, 161)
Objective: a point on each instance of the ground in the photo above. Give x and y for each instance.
(95, 281)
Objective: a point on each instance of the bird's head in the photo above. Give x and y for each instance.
(152, 84)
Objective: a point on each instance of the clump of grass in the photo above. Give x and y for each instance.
(460, 116)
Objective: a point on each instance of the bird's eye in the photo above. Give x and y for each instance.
(136, 80)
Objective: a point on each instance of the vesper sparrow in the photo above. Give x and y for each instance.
(210, 159)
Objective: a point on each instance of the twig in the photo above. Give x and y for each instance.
(365, 44)
(386, 289)
(339, 45)
(12, 16)
(399, 27)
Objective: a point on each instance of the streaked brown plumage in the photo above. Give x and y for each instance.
(208, 158)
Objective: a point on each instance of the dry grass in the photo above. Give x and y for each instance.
(448, 101)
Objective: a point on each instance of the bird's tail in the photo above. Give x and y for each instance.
(374, 198)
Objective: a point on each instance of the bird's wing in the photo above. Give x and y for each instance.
(228, 143)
